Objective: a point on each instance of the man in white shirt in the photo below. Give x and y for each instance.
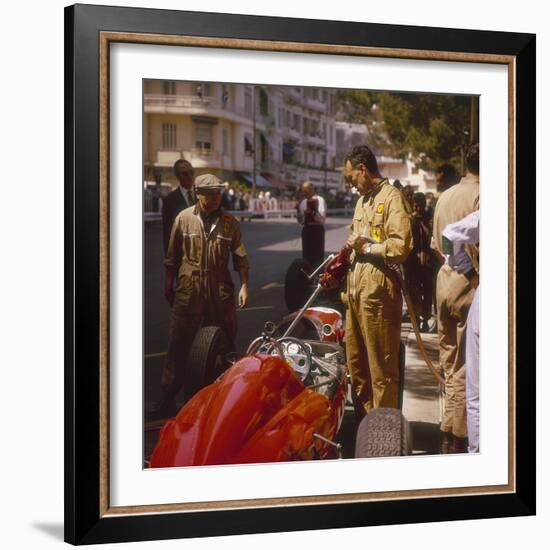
(312, 213)
(455, 237)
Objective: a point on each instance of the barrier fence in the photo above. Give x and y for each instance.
(257, 208)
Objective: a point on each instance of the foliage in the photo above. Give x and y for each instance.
(431, 127)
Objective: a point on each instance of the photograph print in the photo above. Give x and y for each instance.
(311, 273)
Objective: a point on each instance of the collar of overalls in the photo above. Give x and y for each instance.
(374, 191)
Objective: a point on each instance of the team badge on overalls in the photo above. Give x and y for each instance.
(380, 208)
(375, 233)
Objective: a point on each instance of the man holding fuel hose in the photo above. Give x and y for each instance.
(380, 236)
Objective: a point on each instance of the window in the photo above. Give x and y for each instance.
(248, 145)
(296, 123)
(330, 134)
(225, 96)
(332, 104)
(169, 90)
(314, 128)
(248, 101)
(288, 153)
(169, 87)
(169, 136)
(203, 137)
(264, 103)
(287, 118)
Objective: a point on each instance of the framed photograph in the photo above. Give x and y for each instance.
(264, 430)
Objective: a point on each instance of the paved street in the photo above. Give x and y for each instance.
(272, 245)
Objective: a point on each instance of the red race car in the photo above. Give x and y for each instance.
(283, 400)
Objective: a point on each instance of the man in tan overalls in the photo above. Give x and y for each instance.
(202, 241)
(455, 291)
(380, 236)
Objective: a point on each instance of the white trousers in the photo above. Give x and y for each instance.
(472, 375)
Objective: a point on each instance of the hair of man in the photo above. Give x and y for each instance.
(449, 174)
(362, 154)
(181, 161)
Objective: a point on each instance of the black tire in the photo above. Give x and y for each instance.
(206, 360)
(383, 432)
(297, 285)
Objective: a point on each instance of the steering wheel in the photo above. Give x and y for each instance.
(297, 355)
(266, 344)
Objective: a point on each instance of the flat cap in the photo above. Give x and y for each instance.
(208, 182)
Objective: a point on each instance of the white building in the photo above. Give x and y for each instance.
(349, 134)
(275, 135)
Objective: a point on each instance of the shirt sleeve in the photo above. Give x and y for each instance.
(456, 236)
(173, 253)
(397, 227)
(238, 251)
(321, 214)
(464, 231)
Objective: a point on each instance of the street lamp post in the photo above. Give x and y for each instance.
(253, 141)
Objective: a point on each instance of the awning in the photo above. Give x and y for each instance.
(260, 180)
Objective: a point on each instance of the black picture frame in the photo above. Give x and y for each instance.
(85, 522)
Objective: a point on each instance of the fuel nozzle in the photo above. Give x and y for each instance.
(336, 269)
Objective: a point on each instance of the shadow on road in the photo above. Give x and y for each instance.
(420, 384)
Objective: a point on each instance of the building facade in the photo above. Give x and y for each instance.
(267, 136)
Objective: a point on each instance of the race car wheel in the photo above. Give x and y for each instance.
(297, 285)
(383, 432)
(207, 359)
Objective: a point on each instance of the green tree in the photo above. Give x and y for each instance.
(431, 127)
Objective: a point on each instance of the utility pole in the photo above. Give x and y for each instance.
(254, 141)
(325, 152)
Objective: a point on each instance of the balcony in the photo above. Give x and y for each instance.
(167, 103)
(268, 121)
(293, 96)
(314, 139)
(167, 158)
(204, 158)
(315, 104)
(293, 134)
(192, 105)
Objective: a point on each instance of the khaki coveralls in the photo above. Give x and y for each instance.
(454, 294)
(374, 301)
(204, 292)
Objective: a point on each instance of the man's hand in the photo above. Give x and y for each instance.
(328, 281)
(243, 296)
(169, 294)
(357, 242)
(169, 274)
